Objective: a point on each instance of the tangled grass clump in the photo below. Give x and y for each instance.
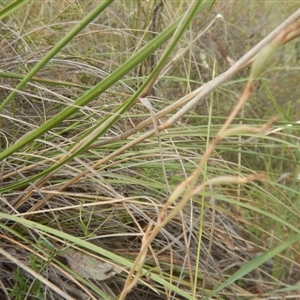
(128, 170)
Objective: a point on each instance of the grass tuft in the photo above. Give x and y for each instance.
(140, 155)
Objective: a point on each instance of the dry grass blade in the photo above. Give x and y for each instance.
(36, 275)
(191, 189)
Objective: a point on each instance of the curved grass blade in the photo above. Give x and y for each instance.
(255, 263)
(98, 89)
(119, 260)
(63, 42)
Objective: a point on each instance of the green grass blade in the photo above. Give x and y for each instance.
(255, 263)
(63, 42)
(93, 93)
(9, 9)
(89, 246)
(12, 75)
